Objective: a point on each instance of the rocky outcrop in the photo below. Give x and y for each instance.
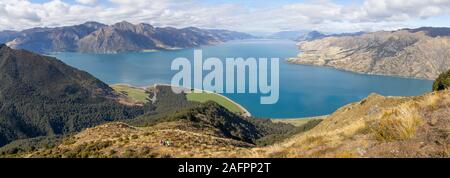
(420, 53)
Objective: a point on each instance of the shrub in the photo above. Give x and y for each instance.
(442, 82)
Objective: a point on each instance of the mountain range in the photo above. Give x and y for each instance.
(94, 37)
(420, 53)
(305, 35)
(49, 109)
(289, 35)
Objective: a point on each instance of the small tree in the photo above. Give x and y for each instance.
(442, 82)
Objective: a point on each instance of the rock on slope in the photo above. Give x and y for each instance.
(421, 53)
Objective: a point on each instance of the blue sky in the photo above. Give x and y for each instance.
(248, 3)
(259, 16)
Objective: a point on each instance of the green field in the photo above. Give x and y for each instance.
(204, 97)
(137, 94)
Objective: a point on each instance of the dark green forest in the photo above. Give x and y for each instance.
(41, 96)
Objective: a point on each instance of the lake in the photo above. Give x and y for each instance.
(305, 91)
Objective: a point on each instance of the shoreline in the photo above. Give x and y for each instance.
(288, 60)
(303, 118)
(245, 113)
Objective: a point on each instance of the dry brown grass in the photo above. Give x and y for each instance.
(377, 127)
(122, 140)
(396, 124)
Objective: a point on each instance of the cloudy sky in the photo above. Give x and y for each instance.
(243, 15)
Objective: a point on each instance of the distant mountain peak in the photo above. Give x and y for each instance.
(192, 28)
(312, 35)
(123, 23)
(3, 46)
(431, 31)
(145, 25)
(93, 24)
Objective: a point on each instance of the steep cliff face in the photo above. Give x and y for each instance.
(421, 53)
(119, 37)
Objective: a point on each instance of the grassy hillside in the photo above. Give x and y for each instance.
(377, 126)
(138, 95)
(122, 140)
(206, 130)
(204, 97)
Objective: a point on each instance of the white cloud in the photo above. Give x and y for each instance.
(88, 2)
(321, 15)
(398, 10)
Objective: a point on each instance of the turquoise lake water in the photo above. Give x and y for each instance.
(304, 90)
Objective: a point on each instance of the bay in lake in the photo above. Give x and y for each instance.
(304, 90)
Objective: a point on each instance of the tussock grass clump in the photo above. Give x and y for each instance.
(284, 153)
(433, 101)
(396, 124)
